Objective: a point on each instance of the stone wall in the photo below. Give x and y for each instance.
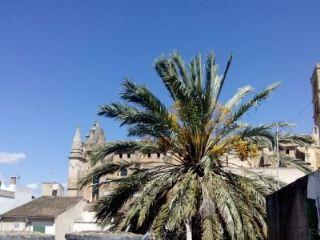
(103, 236)
(25, 236)
(286, 212)
(293, 210)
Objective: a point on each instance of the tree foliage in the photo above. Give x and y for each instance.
(192, 185)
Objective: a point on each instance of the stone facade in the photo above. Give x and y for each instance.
(79, 163)
(315, 82)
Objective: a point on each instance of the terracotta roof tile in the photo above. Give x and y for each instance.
(43, 207)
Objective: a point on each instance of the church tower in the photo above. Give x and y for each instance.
(76, 165)
(315, 81)
(94, 139)
(79, 164)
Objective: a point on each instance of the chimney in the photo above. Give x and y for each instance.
(13, 180)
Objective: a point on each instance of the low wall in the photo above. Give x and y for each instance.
(293, 211)
(25, 236)
(286, 212)
(103, 236)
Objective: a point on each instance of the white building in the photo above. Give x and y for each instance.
(12, 195)
(48, 214)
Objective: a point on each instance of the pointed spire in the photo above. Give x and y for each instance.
(76, 143)
(76, 149)
(95, 136)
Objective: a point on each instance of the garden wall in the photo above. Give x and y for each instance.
(25, 236)
(103, 236)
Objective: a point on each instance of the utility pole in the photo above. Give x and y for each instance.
(277, 153)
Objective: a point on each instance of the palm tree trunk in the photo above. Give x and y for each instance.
(188, 230)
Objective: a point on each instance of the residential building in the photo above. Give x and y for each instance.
(12, 195)
(48, 214)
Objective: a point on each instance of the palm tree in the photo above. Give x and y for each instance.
(191, 194)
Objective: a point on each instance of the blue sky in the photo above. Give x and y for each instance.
(59, 60)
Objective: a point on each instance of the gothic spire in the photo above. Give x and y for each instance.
(76, 143)
(76, 149)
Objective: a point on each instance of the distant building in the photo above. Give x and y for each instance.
(13, 195)
(52, 189)
(50, 215)
(315, 82)
(79, 162)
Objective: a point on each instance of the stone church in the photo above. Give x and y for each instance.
(79, 162)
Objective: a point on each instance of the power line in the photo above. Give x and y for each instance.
(301, 111)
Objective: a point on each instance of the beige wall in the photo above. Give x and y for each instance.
(64, 223)
(18, 225)
(49, 187)
(13, 226)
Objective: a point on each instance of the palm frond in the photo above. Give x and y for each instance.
(218, 82)
(301, 140)
(128, 115)
(253, 102)
(291, 162)
(142, 96)
(167, 72)
(109, 205)
(240, 94)
(180, 65)
(100, 171)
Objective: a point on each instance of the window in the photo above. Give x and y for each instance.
(120, 155)
(158, 155)
(287, 151)
(123, 172)
(54, 192)
(39, 228)
(149, 155)
(128, 155)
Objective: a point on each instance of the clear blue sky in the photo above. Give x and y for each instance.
(59, 60)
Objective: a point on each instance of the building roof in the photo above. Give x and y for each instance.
(43, 207)
(6, 193)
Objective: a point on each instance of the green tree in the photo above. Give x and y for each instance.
(191, 194)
